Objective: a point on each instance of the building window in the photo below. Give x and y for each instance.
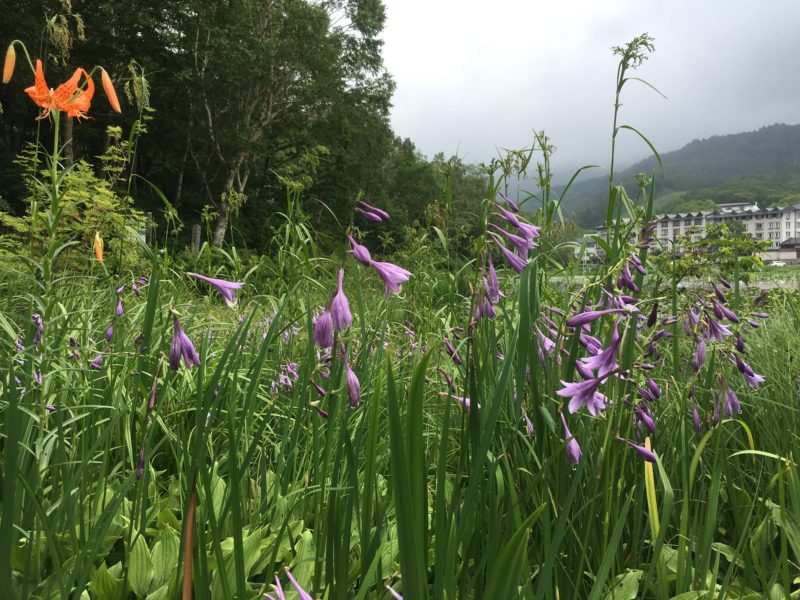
(759, 226)
(759, 236)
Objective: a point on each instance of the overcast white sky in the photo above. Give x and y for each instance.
(476, 75)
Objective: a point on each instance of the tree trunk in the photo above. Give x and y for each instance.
(221, 223)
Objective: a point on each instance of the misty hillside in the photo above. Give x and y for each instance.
(741, 164)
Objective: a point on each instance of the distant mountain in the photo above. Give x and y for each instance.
(762, 165)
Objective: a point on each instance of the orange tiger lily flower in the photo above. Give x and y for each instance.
(8, 65)
(67, 97)
(98, 247)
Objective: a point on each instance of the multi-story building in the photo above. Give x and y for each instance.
(779, 225)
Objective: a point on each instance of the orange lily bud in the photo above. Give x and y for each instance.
(108, 86)
(8, 66)
(98, 247)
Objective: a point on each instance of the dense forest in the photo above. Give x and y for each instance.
(228, 109)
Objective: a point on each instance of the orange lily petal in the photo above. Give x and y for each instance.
(78, 104)
(98, 247)
(8, 65)
(111, 93)
(39, 92)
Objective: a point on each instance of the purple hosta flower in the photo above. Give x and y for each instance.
(637, 264)
(483, 307)
(509, 202)
(590, 315)
(360, 253)
(373, 214)
(341, 317)
(319, 389)
(226, 289)
(301, 593)
(493, 292)
(739, 344)
(465, 402)
(109, 332)
(584, 394)
(694, 316)
(136, 289)
(546, 344)
(120, 308)
(526, 229)
(642, 415)
(528, 424)
(604, 362)
(49, 407)
(653, 316)
(36, 319)
(653, 387)
(181, 348)
(696, 421)
(699, 356)
(573, 448)
(718, 293)
(392, 275)
(752, 378)
(517, 263)
(353, 384)
(590, 343)
(451, 350)
(626, 280)
(583, 370)
(761, 315)
(752, 323)
(727, 312)
(762, 299)
(323, 330)
(320, 412)
(646, 394)
(643, 452)
(522, 245)
(97, 362)
(394, 594)
(716, 330)
(725, 283)
(731, 403)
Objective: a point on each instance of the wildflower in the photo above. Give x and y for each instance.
(654, 389)
(120, 308)
(96, 363)
(573, 448)
(526, 229)
(67, 97)
(521, 244)
(493, 292)
(465, 402)
(643, 452)
(109, 332)
(98, 247)
(509, 202)
(724, 312)
(751, 377)
(225, 288)
(517, 263)
(699, 356)
(108, 88)
(584, 394)
(36, 319)
(181, 347)
(8, 65)
(739, 344)
(528, 424)
(371, 213)
(301, 593)
(353, 384)
(626, 280)
(604, 362)
(590, 315)
(323, 330)
(698, 425)
(392, 275)
(136, 289)
(360, 253)
(716, 330)
(643, 416)
(483, 307)
(653, 316)
(340, 308)
(731, 402)
(451, 350)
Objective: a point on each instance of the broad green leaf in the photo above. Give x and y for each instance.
(626, 586)
(165, 557)
(140, 567)
(104, 586)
